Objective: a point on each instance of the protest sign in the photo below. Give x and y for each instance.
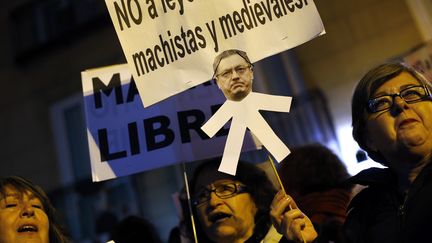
(170, 44)
(125, 138)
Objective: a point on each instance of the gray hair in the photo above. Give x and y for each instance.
(228, 53)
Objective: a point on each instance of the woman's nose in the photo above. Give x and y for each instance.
(27, 210)
(214, 199)
(399, 105)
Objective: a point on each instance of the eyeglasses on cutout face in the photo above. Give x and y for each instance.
(240, 70)
(410, 95)
(223, 191)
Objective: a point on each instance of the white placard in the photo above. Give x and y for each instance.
(170, 44)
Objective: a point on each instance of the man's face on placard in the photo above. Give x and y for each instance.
(234, 77)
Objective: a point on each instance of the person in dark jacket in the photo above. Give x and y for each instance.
(392, 122)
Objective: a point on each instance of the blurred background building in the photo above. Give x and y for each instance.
(45, 44)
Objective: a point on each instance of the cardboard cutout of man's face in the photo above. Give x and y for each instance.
(234, 77)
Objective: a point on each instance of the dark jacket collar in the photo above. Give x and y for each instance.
(385, 176)
(373, 176)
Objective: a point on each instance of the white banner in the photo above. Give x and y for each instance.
(125, 138)
(170, 44)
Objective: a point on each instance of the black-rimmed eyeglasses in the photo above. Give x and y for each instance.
(223, 191)
(240, 70)
(410, 95)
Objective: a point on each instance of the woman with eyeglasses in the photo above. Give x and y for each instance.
(232, 208)
(392, 122)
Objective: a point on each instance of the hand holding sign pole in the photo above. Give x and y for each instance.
(234, 75)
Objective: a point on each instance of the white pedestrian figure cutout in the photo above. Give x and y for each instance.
(235, 80)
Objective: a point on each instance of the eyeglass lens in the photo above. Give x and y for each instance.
(222, 191)
(240, 70)
(409, 95)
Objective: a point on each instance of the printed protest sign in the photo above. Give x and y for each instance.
(170, 44)
(125, 138)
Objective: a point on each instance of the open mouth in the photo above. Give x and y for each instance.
(217, 217)
(27, 228)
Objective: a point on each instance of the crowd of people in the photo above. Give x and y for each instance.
(392, 122)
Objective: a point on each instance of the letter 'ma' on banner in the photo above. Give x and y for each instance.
(126, 138)
(170, 45)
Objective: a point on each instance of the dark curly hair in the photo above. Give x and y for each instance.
(312, 168)
(56, 231)
(371, 81)
(259, 187)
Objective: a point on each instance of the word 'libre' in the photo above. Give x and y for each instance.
(154, 132)
(158, 133)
